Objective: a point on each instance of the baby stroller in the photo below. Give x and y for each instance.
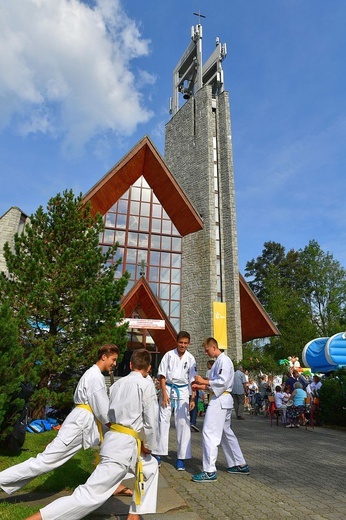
(257, 403)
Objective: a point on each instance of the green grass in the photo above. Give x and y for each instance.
(66, 478)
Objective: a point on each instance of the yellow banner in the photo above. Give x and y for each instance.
(220, 324)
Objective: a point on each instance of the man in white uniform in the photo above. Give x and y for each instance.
(79, 430)
(217, 422)
(133, 412)
(176, 372)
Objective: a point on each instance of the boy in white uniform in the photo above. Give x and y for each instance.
(133, 410)
(217, 422)
(176, 372)
(79, 430)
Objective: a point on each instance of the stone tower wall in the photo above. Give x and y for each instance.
(9, 225)
(189, 155)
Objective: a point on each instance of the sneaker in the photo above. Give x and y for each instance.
(180, 465)
(296, 426)
(289, 425)
(204, 476)
(243, 470)
(194, 428)
(158, 460)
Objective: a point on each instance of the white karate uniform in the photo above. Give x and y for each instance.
(217, 422)
(133, 404)
(79, 430)
(179, 374)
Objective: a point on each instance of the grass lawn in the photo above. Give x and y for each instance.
(76, 471)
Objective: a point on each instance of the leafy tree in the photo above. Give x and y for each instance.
(11, 355)
(264, 269)
(303, 291)
(277, 282)
(256, 360)
(64, 291)
(324, 289)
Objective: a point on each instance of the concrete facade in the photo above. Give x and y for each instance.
(198, 142)
(12, 222)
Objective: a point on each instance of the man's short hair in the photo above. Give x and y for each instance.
(183, 334)
(212, 342)
(140, 359)
(108, 350)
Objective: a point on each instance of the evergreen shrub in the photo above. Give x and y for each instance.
(333, 399)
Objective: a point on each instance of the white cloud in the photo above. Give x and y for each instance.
(68, 71)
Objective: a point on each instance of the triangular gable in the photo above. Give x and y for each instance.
(145, 160)
(255, 322)
(142, 300)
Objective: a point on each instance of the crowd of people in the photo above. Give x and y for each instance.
(290, 392)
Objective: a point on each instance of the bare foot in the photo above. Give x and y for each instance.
(123, 491)
(131, 516)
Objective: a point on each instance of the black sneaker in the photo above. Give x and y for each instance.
(194, 428)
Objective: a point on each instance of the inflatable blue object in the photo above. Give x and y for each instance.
(325, 354)
(336, 349)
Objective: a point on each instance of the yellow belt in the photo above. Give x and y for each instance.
(99, 426)
(139, 484)
(212, 393)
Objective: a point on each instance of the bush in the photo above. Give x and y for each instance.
(333, 399)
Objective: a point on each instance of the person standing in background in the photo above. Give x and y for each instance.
(239, 391)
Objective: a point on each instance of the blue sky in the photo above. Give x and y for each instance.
(84, 81)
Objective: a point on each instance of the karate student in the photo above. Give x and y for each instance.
(79, 430)
(217, 422)
(133, 412)
(176, 372)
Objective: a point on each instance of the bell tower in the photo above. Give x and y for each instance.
(198, 151)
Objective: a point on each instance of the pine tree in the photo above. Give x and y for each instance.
(64, 290)
(11, 356)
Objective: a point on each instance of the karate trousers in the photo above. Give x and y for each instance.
(118, 456)
(217, 430)
(182, 427)
(55, 454)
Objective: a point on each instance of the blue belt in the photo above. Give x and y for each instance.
(176, 388)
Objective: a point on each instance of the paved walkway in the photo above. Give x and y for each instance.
(295, 474)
